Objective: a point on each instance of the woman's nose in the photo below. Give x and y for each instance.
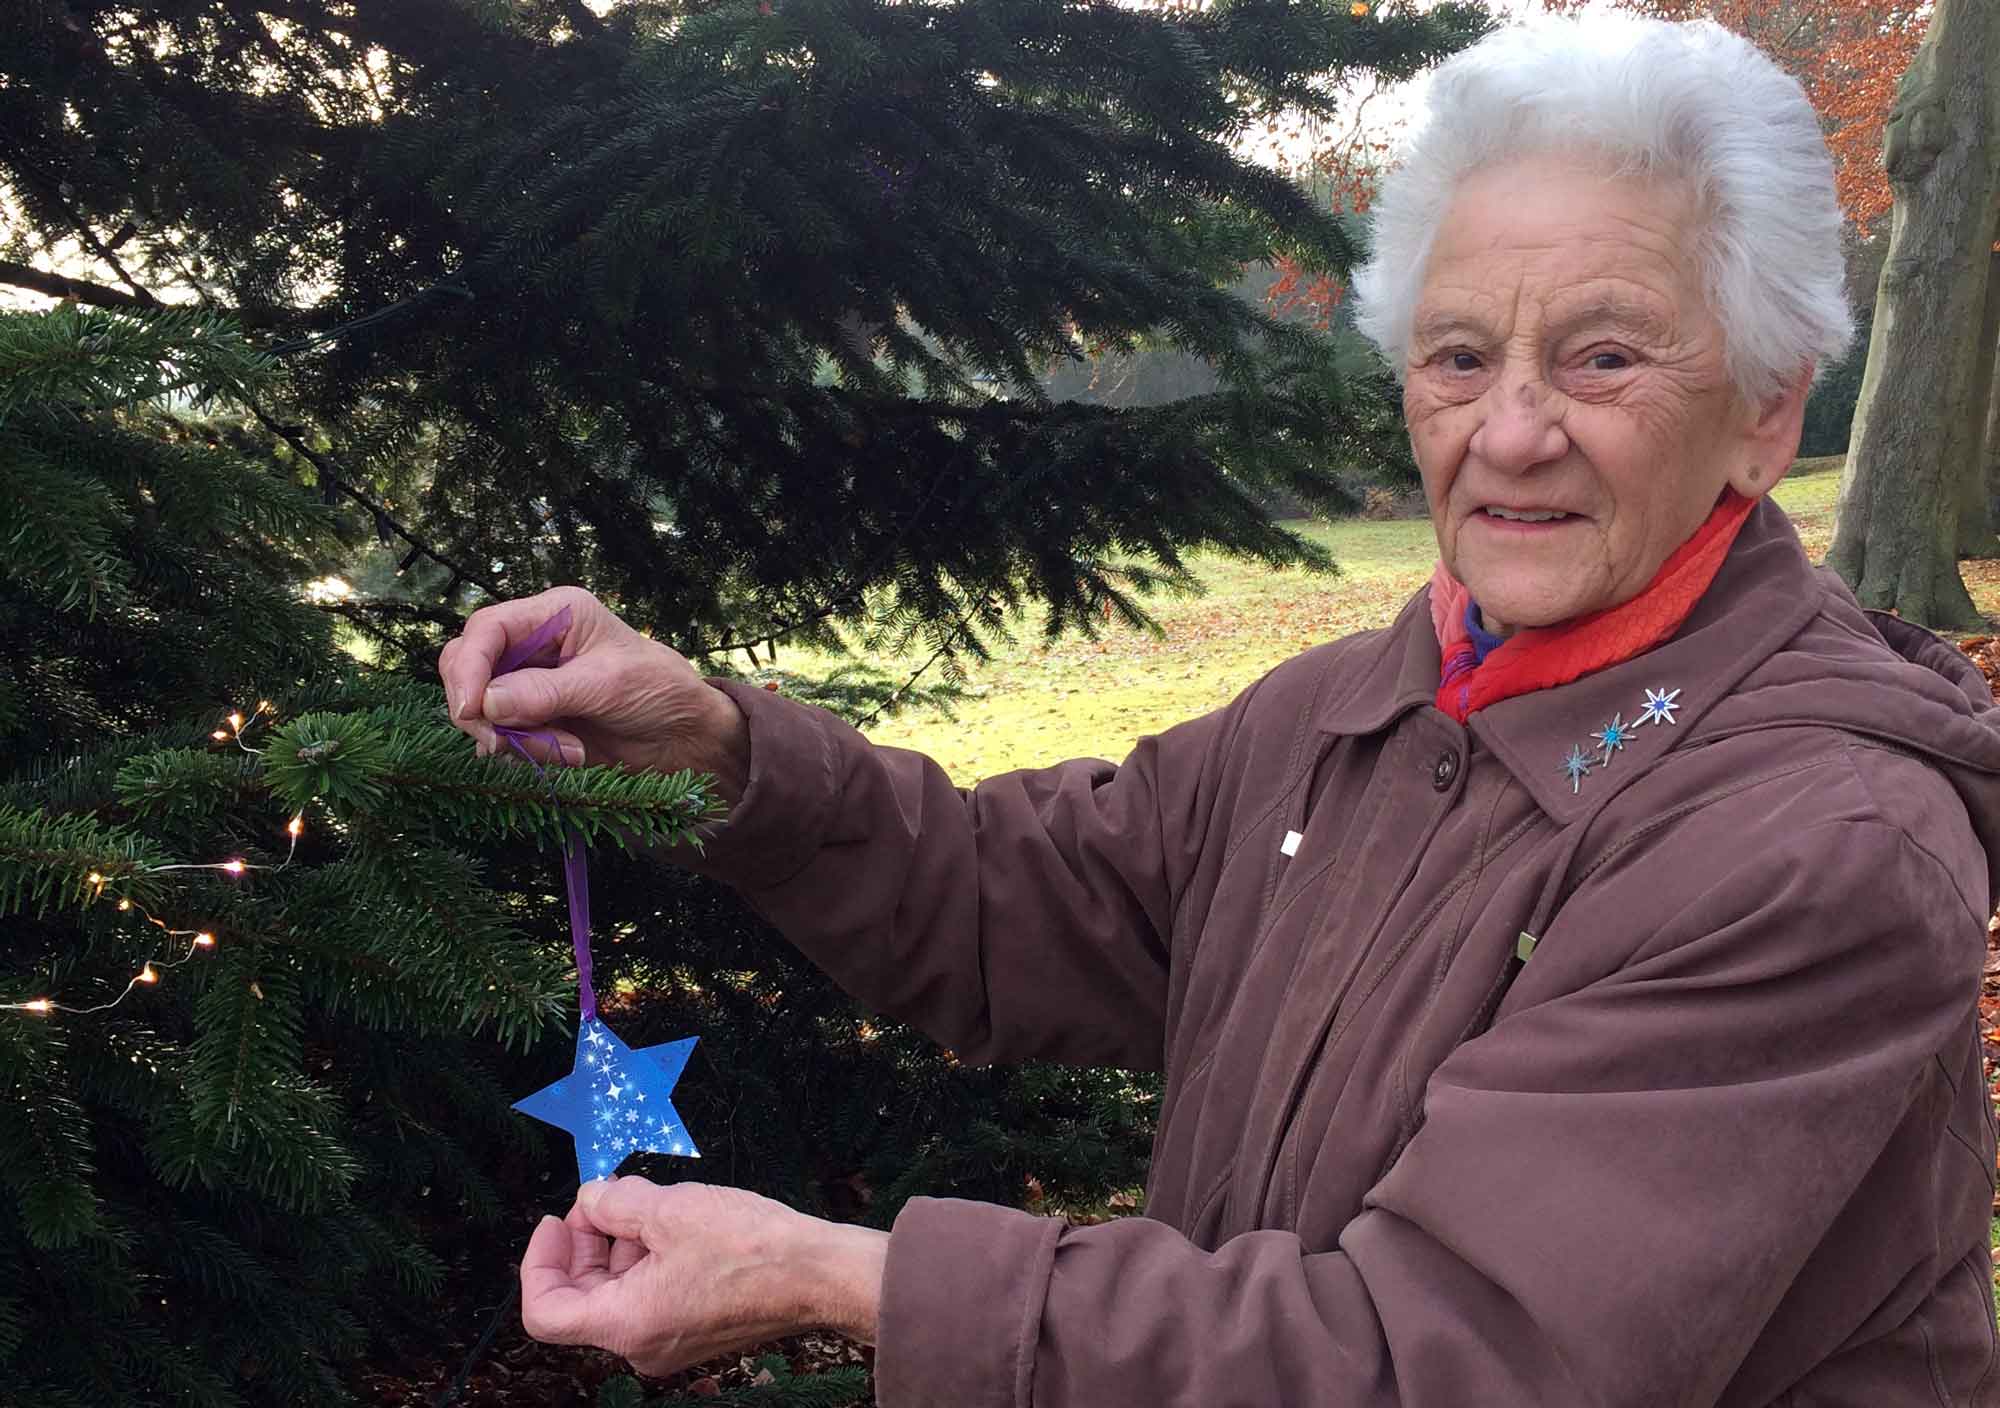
(1521, 427)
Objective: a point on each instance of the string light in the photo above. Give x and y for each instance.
(237, 723)
(198, 940)
(231, 867)
(148, 974)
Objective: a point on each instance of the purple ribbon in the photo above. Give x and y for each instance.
(542, 650)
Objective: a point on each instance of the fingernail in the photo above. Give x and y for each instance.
(572, 754)
(499, 700)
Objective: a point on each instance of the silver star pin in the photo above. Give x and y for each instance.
(1659, 708)
(1576, 767)
(1613, 736)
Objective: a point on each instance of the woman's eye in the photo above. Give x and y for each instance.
(1609, 361)
(1463, 361)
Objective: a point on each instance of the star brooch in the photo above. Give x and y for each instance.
(1576, 767)
(1659, 708)
(1613, 736)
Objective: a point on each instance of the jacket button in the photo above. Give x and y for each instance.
(1446, 771)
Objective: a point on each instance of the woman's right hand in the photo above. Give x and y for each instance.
(616, 696)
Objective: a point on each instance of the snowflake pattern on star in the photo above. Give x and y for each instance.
(1613, 736)
(1659, 708)
(599, 1101)
(1576, 767)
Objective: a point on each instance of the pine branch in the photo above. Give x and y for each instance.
(333, 483)
(952, 636)
(46, 862)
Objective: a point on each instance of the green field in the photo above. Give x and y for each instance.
(1037, 703)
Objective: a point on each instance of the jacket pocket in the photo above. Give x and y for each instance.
(1958, 1331)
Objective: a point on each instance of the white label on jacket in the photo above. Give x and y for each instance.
(1290, 845)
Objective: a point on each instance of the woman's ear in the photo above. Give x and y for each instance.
(1770, 440)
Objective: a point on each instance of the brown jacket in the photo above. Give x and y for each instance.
(1723, 1138)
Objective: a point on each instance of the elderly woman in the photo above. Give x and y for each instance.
(1566, 995)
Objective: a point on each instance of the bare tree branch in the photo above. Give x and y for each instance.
(58, 286)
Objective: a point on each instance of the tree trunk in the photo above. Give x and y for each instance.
(1975, 517)
(1992, 439)
(1913, 430)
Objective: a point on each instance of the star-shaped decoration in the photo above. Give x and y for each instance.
(591, 1095)
(1659, 708)
(1576, 766)
(1613, 736)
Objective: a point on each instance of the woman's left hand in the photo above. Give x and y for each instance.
(670, 1276)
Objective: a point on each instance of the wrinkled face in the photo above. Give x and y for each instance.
(1567, 396)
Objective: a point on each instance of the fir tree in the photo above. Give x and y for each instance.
(736, 310)
(253, 977)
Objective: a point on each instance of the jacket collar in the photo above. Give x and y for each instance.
(1763, 596)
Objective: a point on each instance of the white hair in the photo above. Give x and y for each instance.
(1689, 101)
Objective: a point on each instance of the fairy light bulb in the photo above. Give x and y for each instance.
(236, 721)
(148, 974)
(219, 736)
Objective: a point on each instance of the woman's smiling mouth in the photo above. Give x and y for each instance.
(1524, 515)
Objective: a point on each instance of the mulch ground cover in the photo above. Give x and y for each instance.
(516, 1372)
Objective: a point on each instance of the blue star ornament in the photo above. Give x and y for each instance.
(617, 1101)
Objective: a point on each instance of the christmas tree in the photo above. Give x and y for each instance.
(251, 975)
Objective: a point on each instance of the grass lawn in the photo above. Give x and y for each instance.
(1038, 703)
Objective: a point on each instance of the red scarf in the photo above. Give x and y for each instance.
(1542, 657)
